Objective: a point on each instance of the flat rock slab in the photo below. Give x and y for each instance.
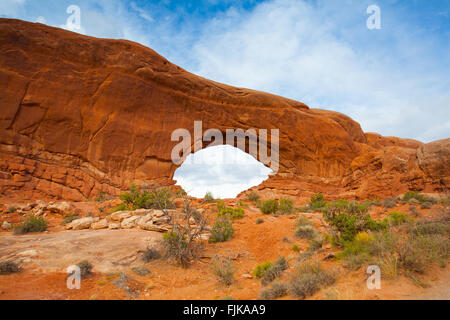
(107, 250)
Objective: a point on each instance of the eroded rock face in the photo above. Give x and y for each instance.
(80, 114)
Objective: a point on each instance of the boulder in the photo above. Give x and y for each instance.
(113, 225)
(129, 222)
(60, 207)
(6, 225)
(119, 215)
(79, 224)
(102, 224)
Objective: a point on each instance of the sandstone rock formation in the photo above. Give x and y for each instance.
(80, 114)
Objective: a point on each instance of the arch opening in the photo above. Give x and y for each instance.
(223, 170)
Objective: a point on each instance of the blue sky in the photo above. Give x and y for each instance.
(394, 81)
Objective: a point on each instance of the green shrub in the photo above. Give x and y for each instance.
(253, 196)
(315, 244)
(8, 267)
(269, 206)
(356, 253)
(295, 248)
(150, 254)
(31, 224)
(428, 228)
(208, 197)
(413, 195)
(223, 268)
(69, 217)
(233, 213)
(276, 290)
(85, 268)
(395, 218)
(285, 206)
(317, 202)
(275, 271)
(12, 209)
(157, 199)
(310, 279)
(261, 268)
(306, 232)
(222, 230)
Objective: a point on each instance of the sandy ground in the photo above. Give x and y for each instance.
(45, 257)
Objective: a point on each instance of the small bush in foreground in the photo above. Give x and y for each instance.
(269, 206)
(31, 224)
(261, 268)
(223, 268)
(253, 196)
(85, 268)
(222, 230)
(286, 206)
(276, 290)
(8, 267)
(274, 271)
(310, 279)
(150, 254)
(306, 232)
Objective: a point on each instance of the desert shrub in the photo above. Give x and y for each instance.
(285, 206)
(276, 290)
(259, 221)
(295, 248)
(31, 224)
(269, 206)
(414, 211)
(223, 268)
(355, 207)
(253, 196)
(261, 268)
(302, 221)
(183, 244)
(347, 225)
(317, 201)
(306, 232)
(69, 217)
(389, 203)
(156, 199)
(8, 267)
(389, 266)
(426, 205)
(315, 243)
(310, 278)
(413, 195)
(396, 218)
(222, 230)
(356, 252)
(150, 254)
(275, 271)
(233, 213)
(428, 228)
(85, 268)
(12, 209)
(208, 197)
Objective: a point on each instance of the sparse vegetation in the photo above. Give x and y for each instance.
(208, 197)
(183, 243)
(222, 230)
(261, 268)
(276, 290)
(101, 197)
(306, 232)
(259, 221)
(232, 213)
(150, 254)
(310, 278)
(269, 206)
(31, 224)
(274, 271)
(8, 267)
(295, 248)
(223, 268)
(12, 209)
(396, 218)
(286, 206)
(253, 196)
(157, 198)
(389, 203)
(414, 195)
